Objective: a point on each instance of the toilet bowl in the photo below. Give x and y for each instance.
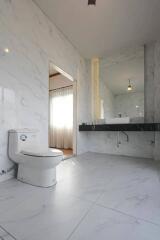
(34, 167)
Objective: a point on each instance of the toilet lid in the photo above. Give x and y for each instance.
(49, 153)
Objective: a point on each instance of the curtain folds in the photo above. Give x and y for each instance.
(61, 118)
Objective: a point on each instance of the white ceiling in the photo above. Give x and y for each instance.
(108, 27)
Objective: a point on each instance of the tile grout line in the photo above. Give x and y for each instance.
(8, 232)
(112, 209)
(94, 203)
(129, 215)
(81, 220)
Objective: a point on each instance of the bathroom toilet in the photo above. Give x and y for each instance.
(34, 167)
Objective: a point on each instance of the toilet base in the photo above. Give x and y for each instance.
(37, 177)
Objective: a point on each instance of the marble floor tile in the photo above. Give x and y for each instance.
(13, 192)
(81, 186)
(87, 176)
(48, 215)
(103, 224)
(73, 179)
(97, 196)
(141, 200)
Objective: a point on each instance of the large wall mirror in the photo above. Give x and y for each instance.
(122, 86)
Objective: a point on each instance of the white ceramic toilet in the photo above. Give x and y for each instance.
(34, 167)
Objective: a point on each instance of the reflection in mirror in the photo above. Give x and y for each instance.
(122, 86)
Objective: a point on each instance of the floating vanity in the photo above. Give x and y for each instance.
(121, 127)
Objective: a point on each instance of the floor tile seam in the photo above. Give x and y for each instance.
(82, 199)
(86, 200)
(85, 215)
(129, 215)
(8, 232)
(71, 195)
(81, 220)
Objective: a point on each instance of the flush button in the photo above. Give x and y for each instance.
(23, 137)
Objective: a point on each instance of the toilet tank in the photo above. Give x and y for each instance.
(22, 139)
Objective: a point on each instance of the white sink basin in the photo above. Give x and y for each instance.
(117, 120)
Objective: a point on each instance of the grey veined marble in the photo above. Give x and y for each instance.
(98, 196)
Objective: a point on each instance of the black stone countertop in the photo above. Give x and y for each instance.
(121, 127)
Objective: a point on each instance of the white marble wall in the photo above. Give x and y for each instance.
(149, 64)
(33, 41)
(140, 144)
(152, 82)
(152, 89)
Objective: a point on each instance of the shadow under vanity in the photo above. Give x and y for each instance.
(125, 103)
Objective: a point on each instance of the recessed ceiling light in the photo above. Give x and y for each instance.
(6, 50)
(91, 2)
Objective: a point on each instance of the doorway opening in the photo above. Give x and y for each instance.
(61, 111)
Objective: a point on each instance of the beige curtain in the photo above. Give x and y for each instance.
(61, 118)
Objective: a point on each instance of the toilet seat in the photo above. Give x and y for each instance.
(49, 153)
